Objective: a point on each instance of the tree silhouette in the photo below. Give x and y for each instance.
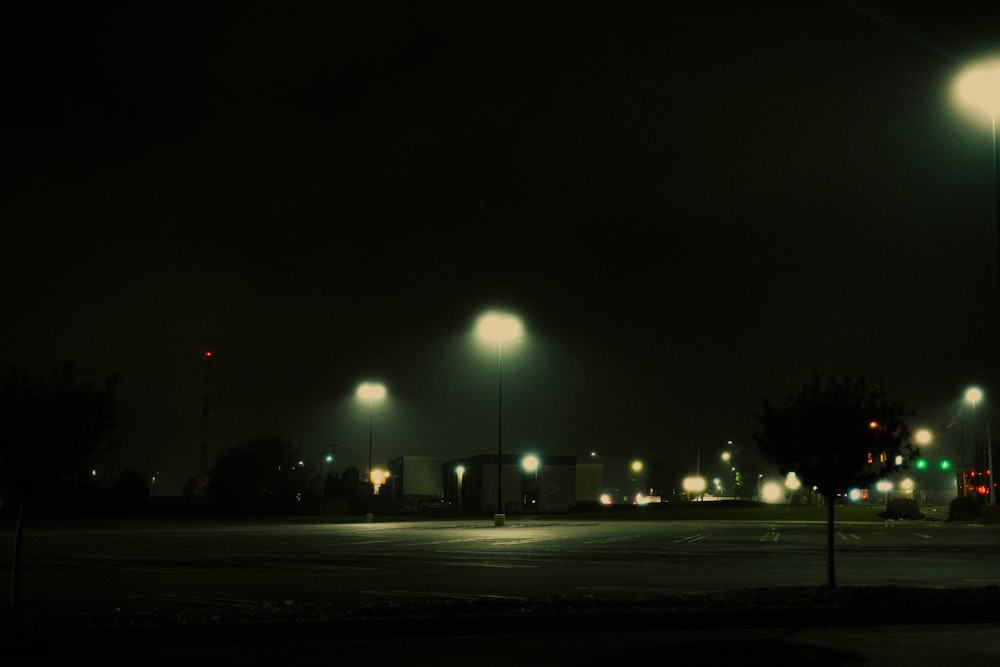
(52, 431)
(260, 475)
(130, 489)
(835, 434)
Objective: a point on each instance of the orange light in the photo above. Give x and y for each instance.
(208, 354)
(873, 424)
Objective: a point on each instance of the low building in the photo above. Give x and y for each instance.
(552, 484)
(413, 479)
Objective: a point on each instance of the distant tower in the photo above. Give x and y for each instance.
(206, 376)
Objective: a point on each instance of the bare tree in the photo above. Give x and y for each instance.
(51, 430)
(835, 434)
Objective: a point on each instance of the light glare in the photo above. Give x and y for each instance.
(371, 391)
(979, 86)
(496, 327)
(772, 492)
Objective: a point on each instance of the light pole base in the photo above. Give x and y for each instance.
(499, 519)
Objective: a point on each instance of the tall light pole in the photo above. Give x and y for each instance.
(323, 474)
(370, 392)
(974, 395)
(530, 463)
(459, 473)
(978, 86)
(499, 328)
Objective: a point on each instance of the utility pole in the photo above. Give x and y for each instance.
(989, 463)
(206, 376)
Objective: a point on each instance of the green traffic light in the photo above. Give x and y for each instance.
(920, 464)
(946, 465)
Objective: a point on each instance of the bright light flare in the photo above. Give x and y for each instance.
(496, 327)
(792, 482)
(530, 463)
(979, 86)
(371, 391)
(923, 436)
(695, 485)
(772, 492)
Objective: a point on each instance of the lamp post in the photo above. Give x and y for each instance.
(978, 86)
(530, 463)
(323, 474)
(726, 458)
(636, 468)
(974, 395)
(730, 455)
(370, 392)
(989, 464)
(793, 484)
(499, 328)
(885, 486)
(459, 473)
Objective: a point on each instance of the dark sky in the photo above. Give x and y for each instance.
(691, 206)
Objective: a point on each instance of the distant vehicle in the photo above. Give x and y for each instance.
(433, 505)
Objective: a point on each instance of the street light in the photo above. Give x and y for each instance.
(499, 328)
(793, 484)
(694, 486)
(323, 474)
(726, 458)
(459, 473)
(730, 455)
(885, 486)
(974, 395)
(370, 392)
(530, 463)
(978, 86)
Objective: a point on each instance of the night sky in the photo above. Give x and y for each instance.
(691, 206)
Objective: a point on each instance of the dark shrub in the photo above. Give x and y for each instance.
(902, 508)
(963, 508)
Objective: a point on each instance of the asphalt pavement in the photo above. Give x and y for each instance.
(911, 636)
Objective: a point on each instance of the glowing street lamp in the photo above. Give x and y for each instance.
(371, 392)
(378, 478)
(323, 473)
(499, 328)
(885, 486)
(727, 457)
(459, 473)
(694, 486)
(792, 482)
(530, 463)
(974, 395)
(978, 86)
